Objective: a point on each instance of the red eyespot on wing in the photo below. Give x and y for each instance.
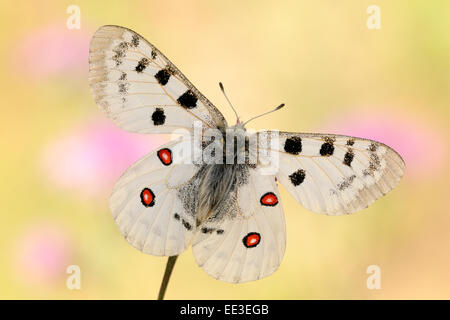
(251, 240)
(147, 197)
(165, 155)
(269, 199)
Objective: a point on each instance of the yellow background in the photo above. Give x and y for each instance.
(318, 57)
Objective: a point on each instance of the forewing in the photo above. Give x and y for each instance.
(335, 174)
(146, 205)
(140, 89)
(248, 242)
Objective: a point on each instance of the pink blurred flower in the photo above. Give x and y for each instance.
(52, 50)
(417, 140)
(42, 253)
(90, 158)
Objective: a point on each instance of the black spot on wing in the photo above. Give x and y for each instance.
(346, 183)
(119, 52)
(374, 165)
(373, 147)
(135, 41)
(143, 63)
(162, 76)
(211, 230)
(297, 177)
(293, 145)
(348, 158)
(158, 117)
(327, 149)
(188, 100)
(186, 224)
(153, 55)
(350, 142)
(123, 87)
(123, 76)
(207, 230)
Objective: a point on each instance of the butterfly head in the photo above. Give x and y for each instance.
(239, 126)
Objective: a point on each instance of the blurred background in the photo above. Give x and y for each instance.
(323, 59)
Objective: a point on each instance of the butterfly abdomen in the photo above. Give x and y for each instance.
(212, 191)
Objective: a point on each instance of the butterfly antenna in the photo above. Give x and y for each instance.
(277, 108)
(223, 91)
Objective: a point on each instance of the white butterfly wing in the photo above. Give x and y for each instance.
(140, 89)
(147, 207)
(335, 174)
(248, 243)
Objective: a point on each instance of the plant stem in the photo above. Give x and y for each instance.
(169, 267)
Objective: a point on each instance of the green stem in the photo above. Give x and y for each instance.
(169, 267)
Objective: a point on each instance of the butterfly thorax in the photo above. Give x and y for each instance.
(224, 168)
(236, 145)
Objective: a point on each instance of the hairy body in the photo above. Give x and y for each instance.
(215, 185)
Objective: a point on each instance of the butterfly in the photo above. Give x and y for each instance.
(230, 212)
